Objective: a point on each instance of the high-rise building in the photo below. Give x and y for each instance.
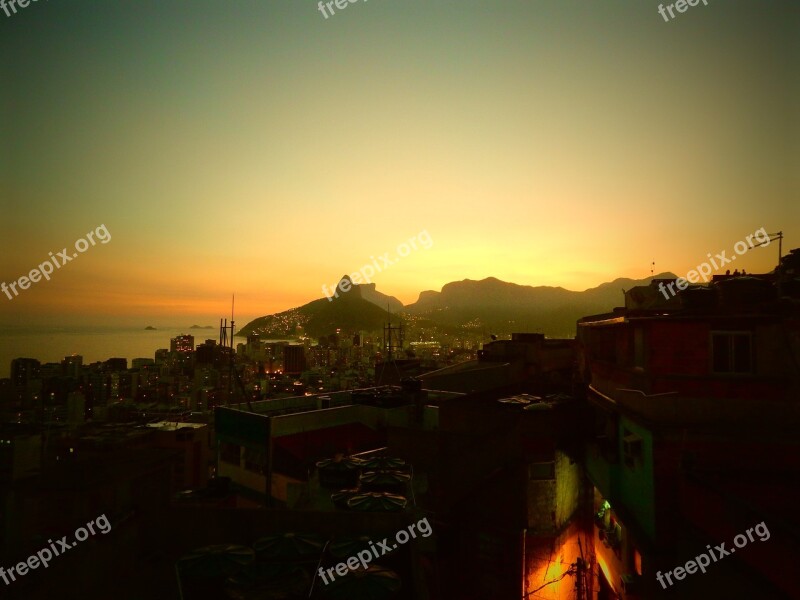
(138, 363)
(97, 387)
(20, 451)
(76, 408)
(294, 359)
(116, 364)
(23, 370)
(205, 352)
(72, 365)
(121, 385)
(182, 343)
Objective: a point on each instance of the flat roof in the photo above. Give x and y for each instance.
(174, 426)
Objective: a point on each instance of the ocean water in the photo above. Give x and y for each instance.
(51, 344)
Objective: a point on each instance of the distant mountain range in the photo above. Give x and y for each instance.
(489, 304)
(502, 307)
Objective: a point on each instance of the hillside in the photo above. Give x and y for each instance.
(504, 307)
(350, 312)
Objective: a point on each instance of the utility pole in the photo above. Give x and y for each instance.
(581, 568)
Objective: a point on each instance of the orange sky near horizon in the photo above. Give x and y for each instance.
(260, 149)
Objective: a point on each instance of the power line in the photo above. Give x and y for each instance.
(571, 571)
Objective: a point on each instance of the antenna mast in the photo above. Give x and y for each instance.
(387, 336)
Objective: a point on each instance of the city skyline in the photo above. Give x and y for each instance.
(407, 300)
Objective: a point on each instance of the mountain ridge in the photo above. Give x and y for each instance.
(490, 303)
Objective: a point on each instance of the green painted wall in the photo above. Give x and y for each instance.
(635, 487)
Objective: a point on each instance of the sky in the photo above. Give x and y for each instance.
(261, 149)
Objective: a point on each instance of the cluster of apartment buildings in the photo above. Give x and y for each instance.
(557, 469)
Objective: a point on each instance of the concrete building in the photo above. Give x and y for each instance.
(696, 406)
(76, 408)
(182, 343)
(20, 452)
(193, 443)
(72, 365)
(526, 357)
(294, 359)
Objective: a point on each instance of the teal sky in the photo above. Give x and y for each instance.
(257, 147)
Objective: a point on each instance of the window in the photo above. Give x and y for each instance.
(632, 449)
(731, 352)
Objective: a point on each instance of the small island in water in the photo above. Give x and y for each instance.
(150, 328)
(203, 327)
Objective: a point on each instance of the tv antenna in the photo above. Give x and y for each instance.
(232, 372)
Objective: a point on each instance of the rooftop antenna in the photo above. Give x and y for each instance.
(388, 329)
(223, 328)
(223, 341)
(779, 235)
(231, 365)
(387, 335)
(391, 345)
(771, 237)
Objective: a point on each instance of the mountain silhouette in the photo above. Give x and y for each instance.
(504, 307)
(488, 304)
(370, 294)
(350, 312)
